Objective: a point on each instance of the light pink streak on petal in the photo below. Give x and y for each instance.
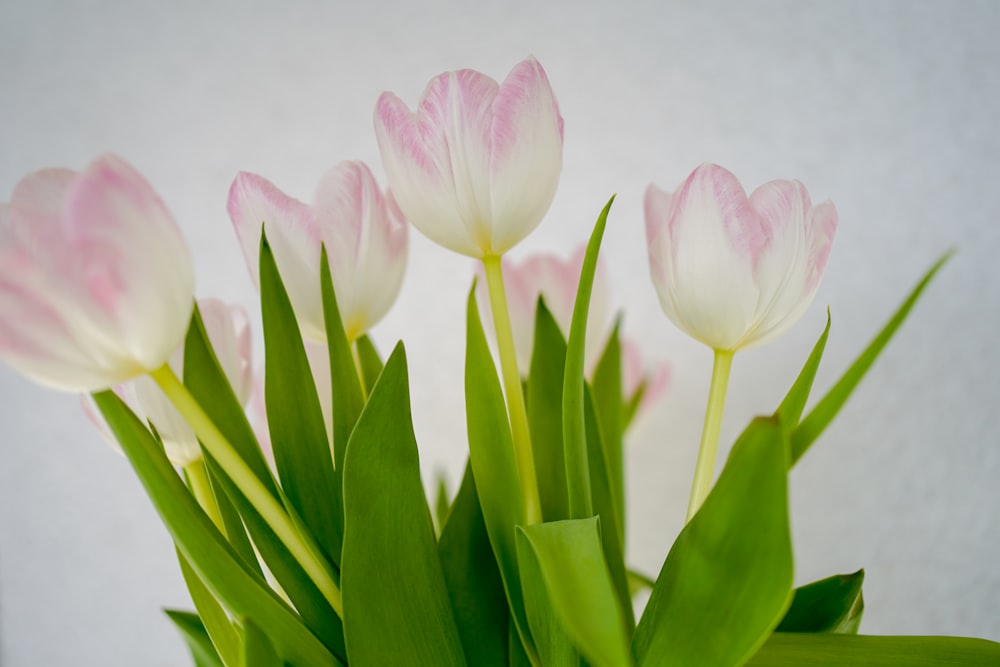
(711, 183)
(420, 176)
(822, 226)
(37, 204)
(254, 201)
(128, 258)
(526, 153)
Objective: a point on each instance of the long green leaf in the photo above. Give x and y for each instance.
(571, 560)
(608, 400)
(834, 605)
(789, 413)
(195, 637)
(294, 416)
(824, 412)
(371, 363)
(220, 568)
(347, 397)
(605, 505)
(728, 577)
(544, 404)
(212, 616)
(574, 427)
(553, 643)
(396, 605)
(257, 650)
(825, 650)
(491, 453)
(473, 580)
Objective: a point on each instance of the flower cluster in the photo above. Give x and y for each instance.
(321, 552)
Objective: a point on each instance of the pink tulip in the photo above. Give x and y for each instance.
(734, 271)
(636, 373)
(228, 331)
(476, 166)
(364, 233)
(96, 284)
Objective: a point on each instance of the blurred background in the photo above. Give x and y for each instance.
(887, 108)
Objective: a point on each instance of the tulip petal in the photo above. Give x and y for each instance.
(526, 158)
(294, 235)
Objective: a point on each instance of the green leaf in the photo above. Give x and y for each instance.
(727, 580)
(605, 507)
(371, 363)
(571, 561)
(442, 502)
(637, 582)
(555, 648)
(824, 412)
(206, 381)
(348, 399)
(825, 650)
(833, 605)
(491, 453)
(607, 394)
(789, 413)
(212, 616)
(395, 599)
(294, 416)
(473, 580)
(257, 650)
(195, 637)
(543, 398)
(574, 427)
(229, 578)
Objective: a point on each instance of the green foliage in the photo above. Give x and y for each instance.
(212, 617)
(828, 650)
(728, 577)
(195, 637)
(396, 604)
(834, 605)
(610, 409)
(581, 504)
(474, 584)
(257, 650)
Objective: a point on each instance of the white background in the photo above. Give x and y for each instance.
(888, 108)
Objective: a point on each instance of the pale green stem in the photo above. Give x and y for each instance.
(705, 468)
(201, 489)
(357, 367)
(523, 455)
(269, 508)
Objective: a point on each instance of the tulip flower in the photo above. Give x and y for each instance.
(96, 284)
(476, 167)
(734, 272)
(638, 375)
(364, 233)
(229, 333)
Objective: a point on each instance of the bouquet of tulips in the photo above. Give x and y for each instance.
(301, 524)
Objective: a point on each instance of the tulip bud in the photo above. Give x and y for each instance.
(734, 271)
(364, 233)
(228, 331)
(476, 166)
(96, 284)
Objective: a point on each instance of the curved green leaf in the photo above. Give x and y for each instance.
(834, 605)
(789, 413)
(371, 363)
(610, 406)
(824, 412)
(553, 643)
(257, 650)
(396, 606)
(226, 574)
(212, 616)
(570, 557)
(195, 637)
(727, 580)
(473, 580)
(574, 427)
(491, 453)
(825, 650)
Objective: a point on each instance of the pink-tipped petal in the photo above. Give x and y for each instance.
(294, 237)
(822, 225)
(526, 158)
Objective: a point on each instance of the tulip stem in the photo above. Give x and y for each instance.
(270, 508)
(201, 489)
(704, 470)
(523, 455)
